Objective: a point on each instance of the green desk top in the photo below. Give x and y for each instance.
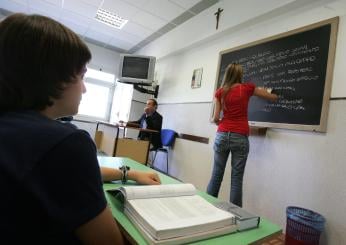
(238, 238)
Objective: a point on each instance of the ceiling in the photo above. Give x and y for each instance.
(148, 19)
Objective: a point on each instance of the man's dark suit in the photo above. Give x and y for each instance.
(153, 122)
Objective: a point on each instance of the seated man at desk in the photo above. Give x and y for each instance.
(150, 119)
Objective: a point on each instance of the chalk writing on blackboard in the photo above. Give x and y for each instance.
(295, 65)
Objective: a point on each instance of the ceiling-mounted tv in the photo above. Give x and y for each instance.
(136, 69)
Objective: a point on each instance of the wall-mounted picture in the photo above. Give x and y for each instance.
(196, 78)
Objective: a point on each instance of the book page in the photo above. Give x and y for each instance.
(178, 216)
(152, 191)
(181, 239)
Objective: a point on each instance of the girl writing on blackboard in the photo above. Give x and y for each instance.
(232, 100)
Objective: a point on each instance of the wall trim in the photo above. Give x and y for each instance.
(183, 103)
(338, 98)
(194, 138)
(138, 101)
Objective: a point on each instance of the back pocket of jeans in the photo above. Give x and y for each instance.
(221, 142)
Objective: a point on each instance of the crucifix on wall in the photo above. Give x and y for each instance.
(218, 13)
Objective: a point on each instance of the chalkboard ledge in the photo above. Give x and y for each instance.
(258, 130)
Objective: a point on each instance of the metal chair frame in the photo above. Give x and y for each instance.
(167, 138)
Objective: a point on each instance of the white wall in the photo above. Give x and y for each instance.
(105, 59)
(285, 167)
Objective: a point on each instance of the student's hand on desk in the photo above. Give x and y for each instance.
(144, 178)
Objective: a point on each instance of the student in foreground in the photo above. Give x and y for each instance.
(51, 186)
(232, 100)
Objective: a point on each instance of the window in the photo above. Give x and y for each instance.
(105, 99)
(121, 102)
(95, 107)
(97, 101)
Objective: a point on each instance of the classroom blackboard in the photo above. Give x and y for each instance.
(298, 65)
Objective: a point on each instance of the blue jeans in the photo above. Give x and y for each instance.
(238, 146)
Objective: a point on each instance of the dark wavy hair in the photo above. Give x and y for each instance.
(38, 56)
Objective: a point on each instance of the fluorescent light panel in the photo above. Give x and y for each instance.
(110, 18)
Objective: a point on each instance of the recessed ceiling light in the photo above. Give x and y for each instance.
(110, 18)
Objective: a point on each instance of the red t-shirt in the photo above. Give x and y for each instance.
(235, 108)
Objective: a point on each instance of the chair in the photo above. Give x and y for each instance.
(167, 139)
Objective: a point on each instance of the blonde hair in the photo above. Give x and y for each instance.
(233, 75)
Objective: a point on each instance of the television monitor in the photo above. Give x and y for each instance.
(136, 69)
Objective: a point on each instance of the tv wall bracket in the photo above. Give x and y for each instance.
(141, 89)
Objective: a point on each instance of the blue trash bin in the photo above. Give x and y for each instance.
(303, 226)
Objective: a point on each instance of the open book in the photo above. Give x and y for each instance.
(173, 214)
(244, 219)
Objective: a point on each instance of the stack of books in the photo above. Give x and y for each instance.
(173, 214)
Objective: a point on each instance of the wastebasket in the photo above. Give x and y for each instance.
(303, 226)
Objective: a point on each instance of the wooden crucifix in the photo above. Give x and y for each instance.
(219, 10)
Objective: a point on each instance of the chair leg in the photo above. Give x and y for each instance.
(167, 162)
(152, 163)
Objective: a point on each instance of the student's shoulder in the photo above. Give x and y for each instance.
(63, 130)
(53, 126)
(36, 125)
(157, 114)
(64, 137)
(249, 85)
(34, 135)
(218, 93)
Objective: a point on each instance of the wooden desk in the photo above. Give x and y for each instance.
(137, 150)
(265, 229)
(112, 145)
